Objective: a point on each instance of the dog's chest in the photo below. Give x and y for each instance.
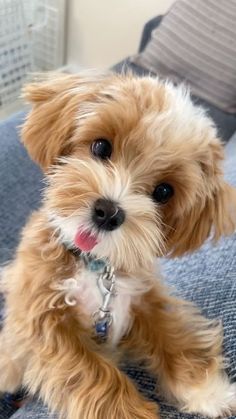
(84, 291)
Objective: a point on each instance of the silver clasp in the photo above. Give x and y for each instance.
(103, 317)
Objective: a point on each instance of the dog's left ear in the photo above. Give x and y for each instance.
(50, 124)
(214, 213)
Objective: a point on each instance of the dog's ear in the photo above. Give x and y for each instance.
(214, 212)
(50, 124)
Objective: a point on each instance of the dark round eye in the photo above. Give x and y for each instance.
(101, 148)
(162, 193)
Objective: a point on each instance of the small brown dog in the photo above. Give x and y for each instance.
(133, 171)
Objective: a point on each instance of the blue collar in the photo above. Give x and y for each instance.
(92, 263)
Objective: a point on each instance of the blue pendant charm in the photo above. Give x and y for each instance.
(101, 328)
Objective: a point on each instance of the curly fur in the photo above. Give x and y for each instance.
(47, 344)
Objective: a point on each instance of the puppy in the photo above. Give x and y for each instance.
(133, 172)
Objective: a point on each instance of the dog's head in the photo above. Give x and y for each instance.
(133, 167)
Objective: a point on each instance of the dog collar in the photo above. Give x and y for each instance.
(92, 263)
(103, 317)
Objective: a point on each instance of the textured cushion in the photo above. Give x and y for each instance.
(196, 42)
(19, 186)
(207, 277)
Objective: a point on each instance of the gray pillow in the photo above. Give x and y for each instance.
(196, 43)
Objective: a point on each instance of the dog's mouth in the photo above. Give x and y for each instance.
(85, 240)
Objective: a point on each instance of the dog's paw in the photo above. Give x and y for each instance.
(124, 408)
(127, 408)
(215, 398)
(144, 410)
(10, 374)
(123, 402)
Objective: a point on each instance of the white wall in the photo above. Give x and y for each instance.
(102, 32)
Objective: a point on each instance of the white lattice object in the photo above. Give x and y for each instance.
(48, 34)
(15, 51)
(32, 36)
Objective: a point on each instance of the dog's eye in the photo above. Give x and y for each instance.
(162, 193)
(101, 148)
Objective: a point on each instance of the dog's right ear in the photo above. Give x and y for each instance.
(50, 124)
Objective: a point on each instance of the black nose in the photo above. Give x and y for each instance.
(107, 215)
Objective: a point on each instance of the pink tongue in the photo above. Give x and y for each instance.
(85, 241)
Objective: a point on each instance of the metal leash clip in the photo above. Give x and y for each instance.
(103, 317)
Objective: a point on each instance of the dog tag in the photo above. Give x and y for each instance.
(101, 328)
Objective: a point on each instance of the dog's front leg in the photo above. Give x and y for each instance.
(12, 362)
(80, 383)
(184, 350)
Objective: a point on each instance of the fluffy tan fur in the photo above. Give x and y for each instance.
(48, 345)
